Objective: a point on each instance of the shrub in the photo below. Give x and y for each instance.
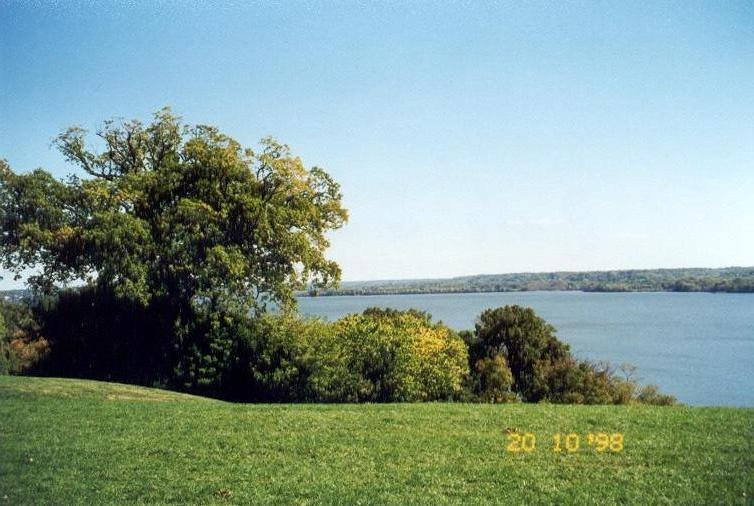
(21, 345)
(526, 341)
(542, 367)
(5, 356)
(387, 356)
(210, 354)
(279, 355)
(650, 394)
(494, 380)
(573, 381)
(380, 355)
(27, 353)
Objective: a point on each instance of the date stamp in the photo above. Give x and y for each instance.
(572, 442)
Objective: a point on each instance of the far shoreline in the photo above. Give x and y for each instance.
(678, 280)
(471, 292)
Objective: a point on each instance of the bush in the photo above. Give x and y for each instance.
(542, 367)
(27, 353)
(210, 354)
(5, 356)
(494, 380)
(650, 394)
(527, 342)
(388, 356)
(572, 381)
(380, 355)
(279, 356)
(97, 334)
(21, 345)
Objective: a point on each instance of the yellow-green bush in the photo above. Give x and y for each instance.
(281, 355)
(388, 355)
(494, 379)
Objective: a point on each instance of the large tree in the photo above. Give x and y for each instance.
(173, 213)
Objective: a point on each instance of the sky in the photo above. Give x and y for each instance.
(468, 137)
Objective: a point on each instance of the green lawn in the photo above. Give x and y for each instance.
(71, 441)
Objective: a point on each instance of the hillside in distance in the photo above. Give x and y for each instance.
(723, 280)
(727, 279)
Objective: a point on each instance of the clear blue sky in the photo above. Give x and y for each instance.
(468, 137)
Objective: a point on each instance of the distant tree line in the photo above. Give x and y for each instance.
(729, 280)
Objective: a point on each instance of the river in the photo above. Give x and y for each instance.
(696, 346)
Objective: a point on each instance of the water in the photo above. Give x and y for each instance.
(696, 346)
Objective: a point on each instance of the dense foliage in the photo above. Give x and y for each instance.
(173, 211)
(280, 357)
(729, 279)
(388, 355)
(94, 333)
(514, 352)
(21, 345)
(380, 355)
(181, 225)
(376, 356)
(493, 379)
(527, 343)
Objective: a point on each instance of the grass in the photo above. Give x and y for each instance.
(83, 442)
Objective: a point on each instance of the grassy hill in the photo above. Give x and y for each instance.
(71, 441)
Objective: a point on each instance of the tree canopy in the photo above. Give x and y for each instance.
(171, 211)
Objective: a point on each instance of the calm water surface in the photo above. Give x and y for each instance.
(696, 346)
